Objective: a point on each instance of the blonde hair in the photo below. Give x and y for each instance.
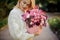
(32, 3)
(19, 0)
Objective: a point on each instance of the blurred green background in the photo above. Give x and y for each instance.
(5, 7)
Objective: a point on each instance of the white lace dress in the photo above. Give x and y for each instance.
(17, 27)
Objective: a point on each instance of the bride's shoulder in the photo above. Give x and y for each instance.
(16, 11)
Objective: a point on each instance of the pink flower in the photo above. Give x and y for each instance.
(31, 23)
(32, 20)
(32, 13)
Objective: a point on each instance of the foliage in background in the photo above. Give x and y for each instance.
(5, 7)
(3, 22)
(42, 4)
(55, 25)
(49, 5)
(52, 1)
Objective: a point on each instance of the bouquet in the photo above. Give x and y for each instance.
(34, 19)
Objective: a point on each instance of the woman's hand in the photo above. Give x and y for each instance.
(30, 38)
(39, 30)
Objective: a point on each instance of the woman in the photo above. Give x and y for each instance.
(17, 27)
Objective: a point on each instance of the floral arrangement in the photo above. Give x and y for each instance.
(35, 17)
